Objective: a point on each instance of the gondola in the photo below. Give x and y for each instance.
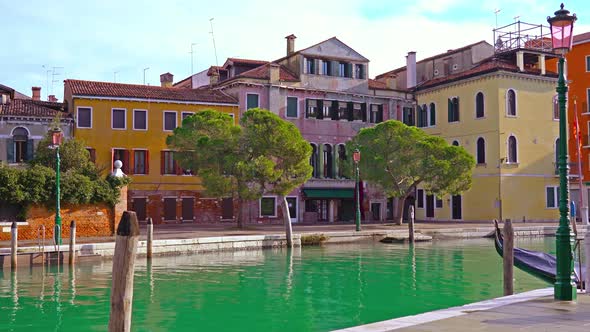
(535, 263)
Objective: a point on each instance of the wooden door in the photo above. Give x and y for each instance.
(456, 207)
(188, 209)
(429, 206)
(227, 208)
(139, 206)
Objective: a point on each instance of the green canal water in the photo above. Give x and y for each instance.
(308, 289)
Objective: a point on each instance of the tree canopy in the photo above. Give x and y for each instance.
(397, 158)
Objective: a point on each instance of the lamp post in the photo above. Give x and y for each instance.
(562, 25)
(356, 156)
(56, 137)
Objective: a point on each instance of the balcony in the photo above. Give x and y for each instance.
(522, 35)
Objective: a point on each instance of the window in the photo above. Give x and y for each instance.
(342, 110)
(342, 69)
(169, 208)
(84, 117)
(376, 113)
(438, 203)
(552, 197)
(310, 66)
(268, 207)
(422, 116)
(358, 111)
(118, 120)
(481, 151)
(185, 115)
(341, 160)
(511, 102)
(251, 101)
(587, 62)
(311, 108)
(479, 105)
(455, 143)
(91, 154)
(555, 108)
(328, 161)
(19, 147)
(359, 71)
(313, 161)
(140, 162)
(123, 156)
(420, 198)
(587, 108)
(408, 116)
(139, 119)
(327, 109)
(432, 114)
(453, 109)
(168, 165)
(326, 68)
(557, 156)
(169, 121)
(292, 111)
(512, 149)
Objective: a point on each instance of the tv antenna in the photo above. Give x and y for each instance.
(144, 70)
(191, 52)
(213, 37)
(54, 73)
(496, 11)
(115, 76)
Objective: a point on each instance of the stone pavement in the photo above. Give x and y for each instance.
(531, 311)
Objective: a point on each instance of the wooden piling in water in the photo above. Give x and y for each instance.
(508, 258)
(13, 245)
(150, 237)
(123, 270)
(411, 224)
(72, 253)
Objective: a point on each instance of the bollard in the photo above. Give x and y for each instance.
(508, 258)
(150, 237)
(13, 245)
(411, 223)
(123, 270)
(72, 253)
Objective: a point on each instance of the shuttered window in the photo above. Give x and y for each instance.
(84, 118)
(169, 121)
(292, 107)
(118, 120)
(139, 119)
(251, 101)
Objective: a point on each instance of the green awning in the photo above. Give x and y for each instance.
(328, 193)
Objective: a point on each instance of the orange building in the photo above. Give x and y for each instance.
(578, 77)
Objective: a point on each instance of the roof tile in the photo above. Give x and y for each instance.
(33, 108)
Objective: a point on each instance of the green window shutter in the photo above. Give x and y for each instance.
(307, 108)
(364, 111)
(349, 70)
(334, 110)
(419, 116)
(450, 105)
(292, 107)
(457, 112)
(362, 72)
(251, 101)
(30, 149)
(380, 114)
(349, 111)
(432, 115)
(9, 150)
(320, 104)
(334, 68)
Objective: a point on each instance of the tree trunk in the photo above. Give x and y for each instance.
(398, 208)
(286, 220)
(240, 216)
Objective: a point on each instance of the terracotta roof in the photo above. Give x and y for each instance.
(246, 61)
(13, 93)
(582, 38)
(381, 85)
(118, 90)
(488, 65)
(447, 53)
(32, 108)
(263, 72)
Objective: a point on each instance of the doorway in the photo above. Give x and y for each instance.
(227, 208)
(188, 209)
(456, 207)
(292, 204)
(429, 206)
(139, 206)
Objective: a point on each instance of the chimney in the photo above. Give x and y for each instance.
(166, 80)
(275, 74)
(411, 70)
(36, 93)
(52, 98)
(214, 76)
(290, 44)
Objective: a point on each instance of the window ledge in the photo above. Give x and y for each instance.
(480, 118)
(454, 122)
(512, 165)
(511, 116)
(481, 165)
(586, 113)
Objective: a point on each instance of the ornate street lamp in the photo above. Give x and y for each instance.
(562, 26)
(356, 156)
(56, 138)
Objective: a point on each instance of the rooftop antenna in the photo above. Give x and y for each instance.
(213, 37)
(47, 71)
(496, 11)
(53, 74)
(144, 70)
(115, 76)
(516, 18)
(191, 52)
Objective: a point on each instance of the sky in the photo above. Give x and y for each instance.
(46, 42)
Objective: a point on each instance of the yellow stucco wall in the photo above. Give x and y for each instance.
(103, 139)
(523, 184)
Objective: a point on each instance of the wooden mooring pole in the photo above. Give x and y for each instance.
(508, 258)
(123, 270)
(13, 245)
(411, 223)
(72, 253)
(150, 237)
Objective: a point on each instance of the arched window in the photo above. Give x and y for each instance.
(456, 143)
(481, 151)
(479, 105)
(20, 147)
(512, 149)
(432, 115)
(555, 108)
(328, 161)
(422, 116)
(511, 102)
(453, 109)
(341, 160)
(313, 161)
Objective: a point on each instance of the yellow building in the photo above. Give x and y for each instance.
(130, 123)
(500, 110)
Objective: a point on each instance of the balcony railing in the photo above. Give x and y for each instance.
(519, 35)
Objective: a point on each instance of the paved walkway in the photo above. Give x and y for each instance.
(532, 311)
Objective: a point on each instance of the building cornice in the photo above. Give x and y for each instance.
(163, 101)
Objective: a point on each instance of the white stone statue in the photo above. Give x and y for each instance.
(117, 172)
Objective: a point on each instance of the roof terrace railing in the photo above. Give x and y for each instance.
(522, 35)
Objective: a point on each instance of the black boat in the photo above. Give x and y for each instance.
(536, 263)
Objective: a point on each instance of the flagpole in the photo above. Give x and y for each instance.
(583, 203)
